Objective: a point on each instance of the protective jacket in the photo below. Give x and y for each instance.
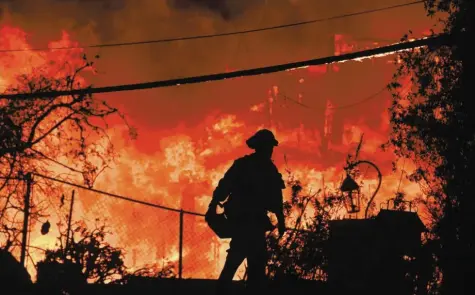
(251, 187)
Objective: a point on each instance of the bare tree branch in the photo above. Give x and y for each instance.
(44, 131)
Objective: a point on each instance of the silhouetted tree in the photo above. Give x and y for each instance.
(43, 133)
(433, 124)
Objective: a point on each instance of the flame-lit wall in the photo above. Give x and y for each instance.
(189, 135)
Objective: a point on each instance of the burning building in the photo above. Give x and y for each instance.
(188, 137)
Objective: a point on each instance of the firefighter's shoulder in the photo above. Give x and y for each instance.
(242, 161)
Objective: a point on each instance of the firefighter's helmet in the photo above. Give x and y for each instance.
(262, 138)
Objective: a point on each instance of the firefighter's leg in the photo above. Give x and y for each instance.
(257, 261)
(234, 259)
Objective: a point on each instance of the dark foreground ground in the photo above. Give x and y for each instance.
(178, 287)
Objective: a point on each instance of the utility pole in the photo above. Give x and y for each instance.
(26, 216)
(70, 216)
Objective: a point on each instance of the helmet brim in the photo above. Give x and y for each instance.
(255, 143)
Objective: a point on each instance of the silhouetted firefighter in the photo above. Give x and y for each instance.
(250, 188)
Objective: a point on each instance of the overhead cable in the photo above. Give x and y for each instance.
(369, 53)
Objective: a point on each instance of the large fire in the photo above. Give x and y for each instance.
(190, 160)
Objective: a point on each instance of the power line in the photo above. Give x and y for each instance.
(220, 34)
(371, 97)
(359, 102)
(430, 41)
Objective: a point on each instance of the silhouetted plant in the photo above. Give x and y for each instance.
(97, 260)
(433, 125)
(89, 258)
(300, 253)
(400, 203)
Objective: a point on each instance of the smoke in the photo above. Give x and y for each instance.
(227, 9)
(107, 4)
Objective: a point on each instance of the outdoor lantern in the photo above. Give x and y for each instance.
(352, 191)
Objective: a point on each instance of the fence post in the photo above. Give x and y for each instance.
(180, 254)
(26, 216)
(70, 217)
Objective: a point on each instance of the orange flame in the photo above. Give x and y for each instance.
(188, 163)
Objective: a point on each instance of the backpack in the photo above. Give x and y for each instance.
(219, 224)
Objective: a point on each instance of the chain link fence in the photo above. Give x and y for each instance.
(151, 236)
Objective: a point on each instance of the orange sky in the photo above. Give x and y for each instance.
(189, 134)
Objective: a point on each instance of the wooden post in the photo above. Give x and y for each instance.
(69, 220)
(26, 216)
(180, 254)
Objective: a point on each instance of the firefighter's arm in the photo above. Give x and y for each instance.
(279, 206)
(280, 214)
(224, 187)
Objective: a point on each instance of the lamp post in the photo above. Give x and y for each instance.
(350, 188)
